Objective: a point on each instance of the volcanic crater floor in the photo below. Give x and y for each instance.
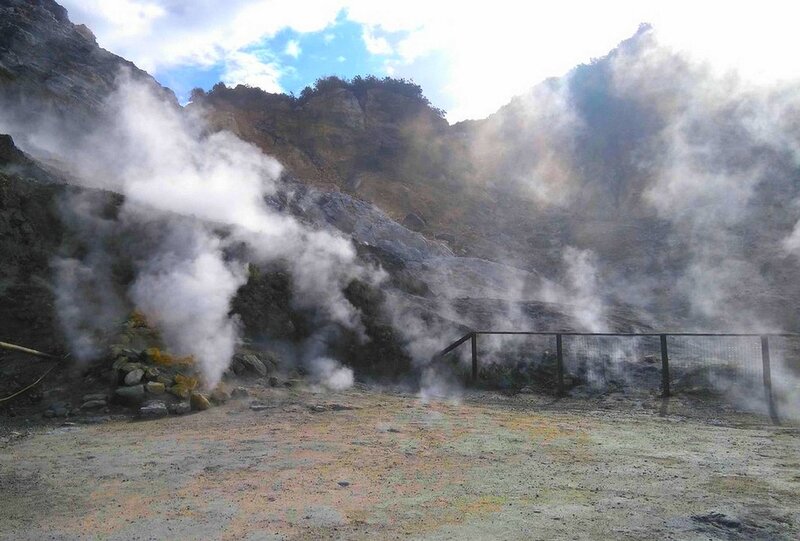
(376, 464)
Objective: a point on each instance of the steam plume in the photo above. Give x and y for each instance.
(181, 185)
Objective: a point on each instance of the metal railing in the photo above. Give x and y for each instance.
(665, 359)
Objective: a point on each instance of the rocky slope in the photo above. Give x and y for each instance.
(50, 68)
(593, 160)
(473, 223)
(53, 72)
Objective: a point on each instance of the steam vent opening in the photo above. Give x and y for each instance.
(346, 271)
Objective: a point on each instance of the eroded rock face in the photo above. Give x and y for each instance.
(30, 234)
(50, 66)
(381, 139)
(368, 225)
(339, 107)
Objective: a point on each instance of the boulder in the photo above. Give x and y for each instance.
(133, 395)
(128, 367)
(93, 404)
(199, 402)
(239, 392)
(95, 396)
(57, 409)
(248, 364)
(167, 381)
(120, 351)
(189, 382)
(218, 396)
(184, 385)
(134, 377)
(180, 390)
(154, 387)
(116, 374)
(152, 373)
(179, 408)
(154, 408)
(119, 362)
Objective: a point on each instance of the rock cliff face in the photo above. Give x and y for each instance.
(30, 234)
(472, 222)
(381, 145)
(593, 160)
(49, 66)
(53, 71)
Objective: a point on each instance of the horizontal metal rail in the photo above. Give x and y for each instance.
(654, 333)
(665, 376)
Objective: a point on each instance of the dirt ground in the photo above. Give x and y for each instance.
(369, 464)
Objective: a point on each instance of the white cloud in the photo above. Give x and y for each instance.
(470, 57)
(491, 54)
(249, 69)
(341, 59)
(124, 17)
(293, 48)
(197, 32)
(375, 44)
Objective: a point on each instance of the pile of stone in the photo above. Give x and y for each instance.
(93, 402)
(157, 384)
(252, 365)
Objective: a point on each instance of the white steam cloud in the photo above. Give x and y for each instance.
(331, 374)
(580, 291)
(181, 185)
(186, 291)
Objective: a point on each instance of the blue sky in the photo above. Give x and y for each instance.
(338, 49)
(469, 57)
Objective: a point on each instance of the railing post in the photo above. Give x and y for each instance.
(474, 339)
(773, 410)
(664, 366)
(559, 365)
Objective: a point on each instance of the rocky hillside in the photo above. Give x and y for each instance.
(566, 208)
(339, 144)
(377, 139)
(595, 160)
(50, 66)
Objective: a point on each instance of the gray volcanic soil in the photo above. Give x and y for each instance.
(368, 464)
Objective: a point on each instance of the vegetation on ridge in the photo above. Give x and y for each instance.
(358, 85)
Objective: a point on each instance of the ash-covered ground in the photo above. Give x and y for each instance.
(295, 463)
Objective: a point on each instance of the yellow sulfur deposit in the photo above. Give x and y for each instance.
(199, 402)
(186, 381)
(181, 391)
(184, 385)
(157, 356)
(138, 320)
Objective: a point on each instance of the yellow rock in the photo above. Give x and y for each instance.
(181, 391)
(199, 402)
(187, 381)
(157, 356)
(137, 319)
(154, 387)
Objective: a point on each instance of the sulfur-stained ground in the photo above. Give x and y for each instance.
(366, 464)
